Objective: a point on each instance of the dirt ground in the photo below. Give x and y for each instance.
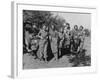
(30, 63)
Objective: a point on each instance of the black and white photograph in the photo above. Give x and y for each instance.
(54, 39)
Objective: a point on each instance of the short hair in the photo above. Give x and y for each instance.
(68, 27)
(27, 23)
(82, 27)
(75, 26)
(68, 24)
(27, 26)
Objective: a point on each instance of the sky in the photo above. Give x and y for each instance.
(76, 18)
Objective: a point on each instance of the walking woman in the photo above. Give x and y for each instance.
(42, 44)
(54, 38)
(66, 41)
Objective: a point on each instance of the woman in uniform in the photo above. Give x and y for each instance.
(81, 35)
(75, 41)
(66, 41)
(60, 41)
(42, 44)
(54, 38)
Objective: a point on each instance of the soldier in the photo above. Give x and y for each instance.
(75, 31)
(75, 45)
(42, 44)
(34, 46)
(54, 38)
(66, 41)
(28, 37)
(30, 40)
(81, 36)
(75, 41)
(35, 29)
(60, 41)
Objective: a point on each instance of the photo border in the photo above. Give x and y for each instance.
(17, 70)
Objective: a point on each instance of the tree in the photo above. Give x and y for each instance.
(42, 17)
(37, 17)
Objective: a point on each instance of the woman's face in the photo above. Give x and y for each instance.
(65, 28)
(76, 27)
(61, 30)
(28, 26)
(34, 26)
(67, 25)
(81, 28)
(52, 27)
(44, 27)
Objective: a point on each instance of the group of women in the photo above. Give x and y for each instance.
(65, 41)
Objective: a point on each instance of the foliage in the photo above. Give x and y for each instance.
(42, 17)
